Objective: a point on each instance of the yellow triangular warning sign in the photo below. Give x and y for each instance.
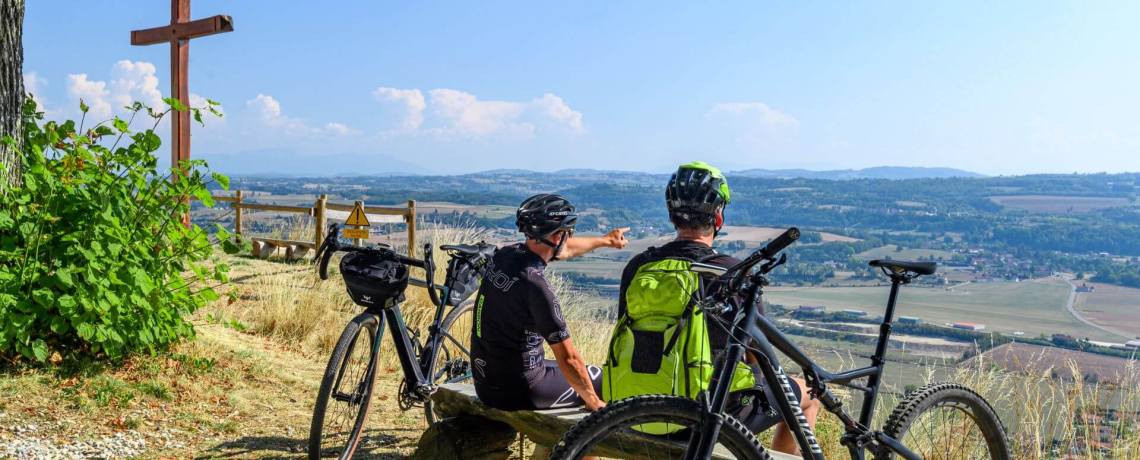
(358, 217)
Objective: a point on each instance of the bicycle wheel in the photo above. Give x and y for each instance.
(947, 421)
(452, 363)
(346, 390)
(610, 432)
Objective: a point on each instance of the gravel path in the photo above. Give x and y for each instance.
(32, 442)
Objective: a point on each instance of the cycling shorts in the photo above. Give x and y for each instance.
(552, 391)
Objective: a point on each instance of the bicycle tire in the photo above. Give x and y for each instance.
(939, 396)
(362, 323)
(585, 435)
(448, 321)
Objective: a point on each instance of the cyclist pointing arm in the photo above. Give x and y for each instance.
(517, 311)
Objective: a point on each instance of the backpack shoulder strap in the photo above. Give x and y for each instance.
(709, 254)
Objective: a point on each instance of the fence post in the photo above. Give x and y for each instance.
(237, 213)
(411, 219)
(359, 204)
(319, 217)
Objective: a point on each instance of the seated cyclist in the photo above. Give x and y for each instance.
(516, 310)
(696, 196)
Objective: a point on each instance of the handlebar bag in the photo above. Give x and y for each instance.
(373, 282)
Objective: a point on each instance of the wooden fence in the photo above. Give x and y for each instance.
(319, 211)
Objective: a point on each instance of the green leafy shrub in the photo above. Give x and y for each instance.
(94, 257)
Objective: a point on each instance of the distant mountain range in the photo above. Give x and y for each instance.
(284, 163)
(879, 172)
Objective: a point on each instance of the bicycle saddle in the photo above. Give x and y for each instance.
(920, 268)
(469, 249)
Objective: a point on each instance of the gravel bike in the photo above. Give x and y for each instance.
(346, 388)
(944, 421)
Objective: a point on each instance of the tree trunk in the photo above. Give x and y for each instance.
(11, 87)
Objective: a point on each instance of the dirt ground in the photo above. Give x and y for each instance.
(227, 395)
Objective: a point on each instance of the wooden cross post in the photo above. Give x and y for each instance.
(178, 34)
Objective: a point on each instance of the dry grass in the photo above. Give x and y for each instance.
(294, 308)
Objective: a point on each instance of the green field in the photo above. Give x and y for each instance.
(1116, 307)
(1034, 307)
(889, 250)
(1057, 203)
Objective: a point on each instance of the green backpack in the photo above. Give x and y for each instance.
(661, 344)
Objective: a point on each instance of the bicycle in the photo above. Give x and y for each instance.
(950, 415)
(346, 388)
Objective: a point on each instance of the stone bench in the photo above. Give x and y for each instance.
(265, 247)
(472, 430)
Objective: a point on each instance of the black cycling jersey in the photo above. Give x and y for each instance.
(718, 337)
(515, 311)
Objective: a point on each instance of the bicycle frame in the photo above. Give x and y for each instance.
(750, 325)
(414, 369)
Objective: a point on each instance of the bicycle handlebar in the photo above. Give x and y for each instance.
(784, 240)
(332, 244)
(734, 277)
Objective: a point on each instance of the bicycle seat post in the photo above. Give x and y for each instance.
(879, 358)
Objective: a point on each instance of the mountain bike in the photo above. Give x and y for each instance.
(944, 421)
(346, 388)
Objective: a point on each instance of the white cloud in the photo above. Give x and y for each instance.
(466, 114)
(134, 81)
(33, 83)
(758, 111)
(339, 129)
(93, 93)
(553, 107)
(130, 81)
(269, 111)
(458, 113)
(413, 101)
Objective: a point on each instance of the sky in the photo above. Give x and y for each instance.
(1013, 87)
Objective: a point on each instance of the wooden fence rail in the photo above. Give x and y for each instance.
(319, 211)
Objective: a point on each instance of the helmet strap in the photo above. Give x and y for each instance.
(557, 246)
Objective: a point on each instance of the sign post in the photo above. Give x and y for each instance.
(358, 219)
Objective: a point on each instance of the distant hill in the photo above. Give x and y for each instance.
(284, 163)
(567, 172)
(878, 172)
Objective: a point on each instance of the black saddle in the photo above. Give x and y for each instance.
(470, 249)
(919, 268)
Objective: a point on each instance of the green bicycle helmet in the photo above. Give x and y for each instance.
(697, 187)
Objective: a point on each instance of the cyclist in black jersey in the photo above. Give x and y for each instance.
(696, 197)
(516, 311)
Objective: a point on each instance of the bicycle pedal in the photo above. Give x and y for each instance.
(427, 389)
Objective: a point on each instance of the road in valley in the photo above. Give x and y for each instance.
(1073, 311)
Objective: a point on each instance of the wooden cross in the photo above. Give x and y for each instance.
(178, 34)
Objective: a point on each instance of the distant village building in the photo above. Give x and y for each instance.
(1086, 288)
(855, 312)
(969, 326)
(812, 308)
(1133, 344)
(910, 320)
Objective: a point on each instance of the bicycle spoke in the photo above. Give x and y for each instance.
(947, 433)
